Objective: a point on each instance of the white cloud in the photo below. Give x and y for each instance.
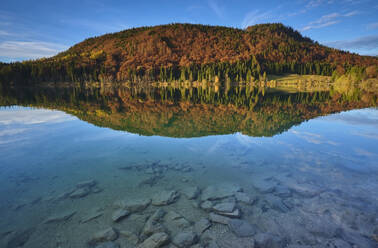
(328, 20)
(313, 138)
(255, 17)
(29, 49)
(32, 116)
(373, 25)
(364, 43)
(216, 7)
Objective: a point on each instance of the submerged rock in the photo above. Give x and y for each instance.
(130, 236)
(185, 239)
(153, 224)
(60, 217)
(269, 240)
(155, 241)
(206, 205)
(245, 198)
(202, 225)
(107, 245)
(276, 203)
(282, 191)
(191, 192)
(109, 234)
(80, 192)
(20, 238)
(234, 214)
(264, 186)
(227, 207)
(120, 214)
(220, 191)
(219, 218)
(175, 220)
(88, 184)
(165, 197)
(241, 228)
(93, 214)
(133, 205)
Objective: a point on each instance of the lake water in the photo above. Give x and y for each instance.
(188, 166)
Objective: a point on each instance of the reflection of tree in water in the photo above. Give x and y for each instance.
(184, 111)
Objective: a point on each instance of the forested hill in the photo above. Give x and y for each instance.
(191, 52)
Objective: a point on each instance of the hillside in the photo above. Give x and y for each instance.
(190, 52)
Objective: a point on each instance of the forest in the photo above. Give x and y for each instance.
(180, 52)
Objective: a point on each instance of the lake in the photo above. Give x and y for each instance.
(189, 165)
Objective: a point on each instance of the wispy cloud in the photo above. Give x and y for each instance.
(216, 7)
(29, 49)
(366, 42)
(373, 25)
(255, 17)
(36, 116)
(102, 27)
(328, 20)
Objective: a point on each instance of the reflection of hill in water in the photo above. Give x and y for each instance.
(192, 111)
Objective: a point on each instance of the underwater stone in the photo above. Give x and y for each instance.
(20, 238)
(264, 186)
(80, 192)
(93, 214)
(220, 191)
(282, 191)
(245, 198)
(219, 218)
(155, 241)
(107, 245)
(191, 192)
(227, 207)
(130, 236)
(206, 205)
(60, 217)
(153, 224)
(119, 214)
(202, 225)
(165, 197)
(269, 240)
(133, 205)
(276, 203)
(88, 184)
(109, 234)
(185, 239)
(241, 228)
(233, 214)
(174, 220)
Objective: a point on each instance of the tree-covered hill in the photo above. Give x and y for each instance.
(190, 52)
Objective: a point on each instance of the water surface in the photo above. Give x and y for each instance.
(299, 167)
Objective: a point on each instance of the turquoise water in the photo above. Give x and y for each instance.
(313, 184)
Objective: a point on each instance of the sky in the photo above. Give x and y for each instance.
(31, 29)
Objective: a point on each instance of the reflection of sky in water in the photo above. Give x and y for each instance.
(348, 139)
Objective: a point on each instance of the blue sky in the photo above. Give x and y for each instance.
(32, 29)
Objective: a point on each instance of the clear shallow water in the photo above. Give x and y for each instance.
(313, 184)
